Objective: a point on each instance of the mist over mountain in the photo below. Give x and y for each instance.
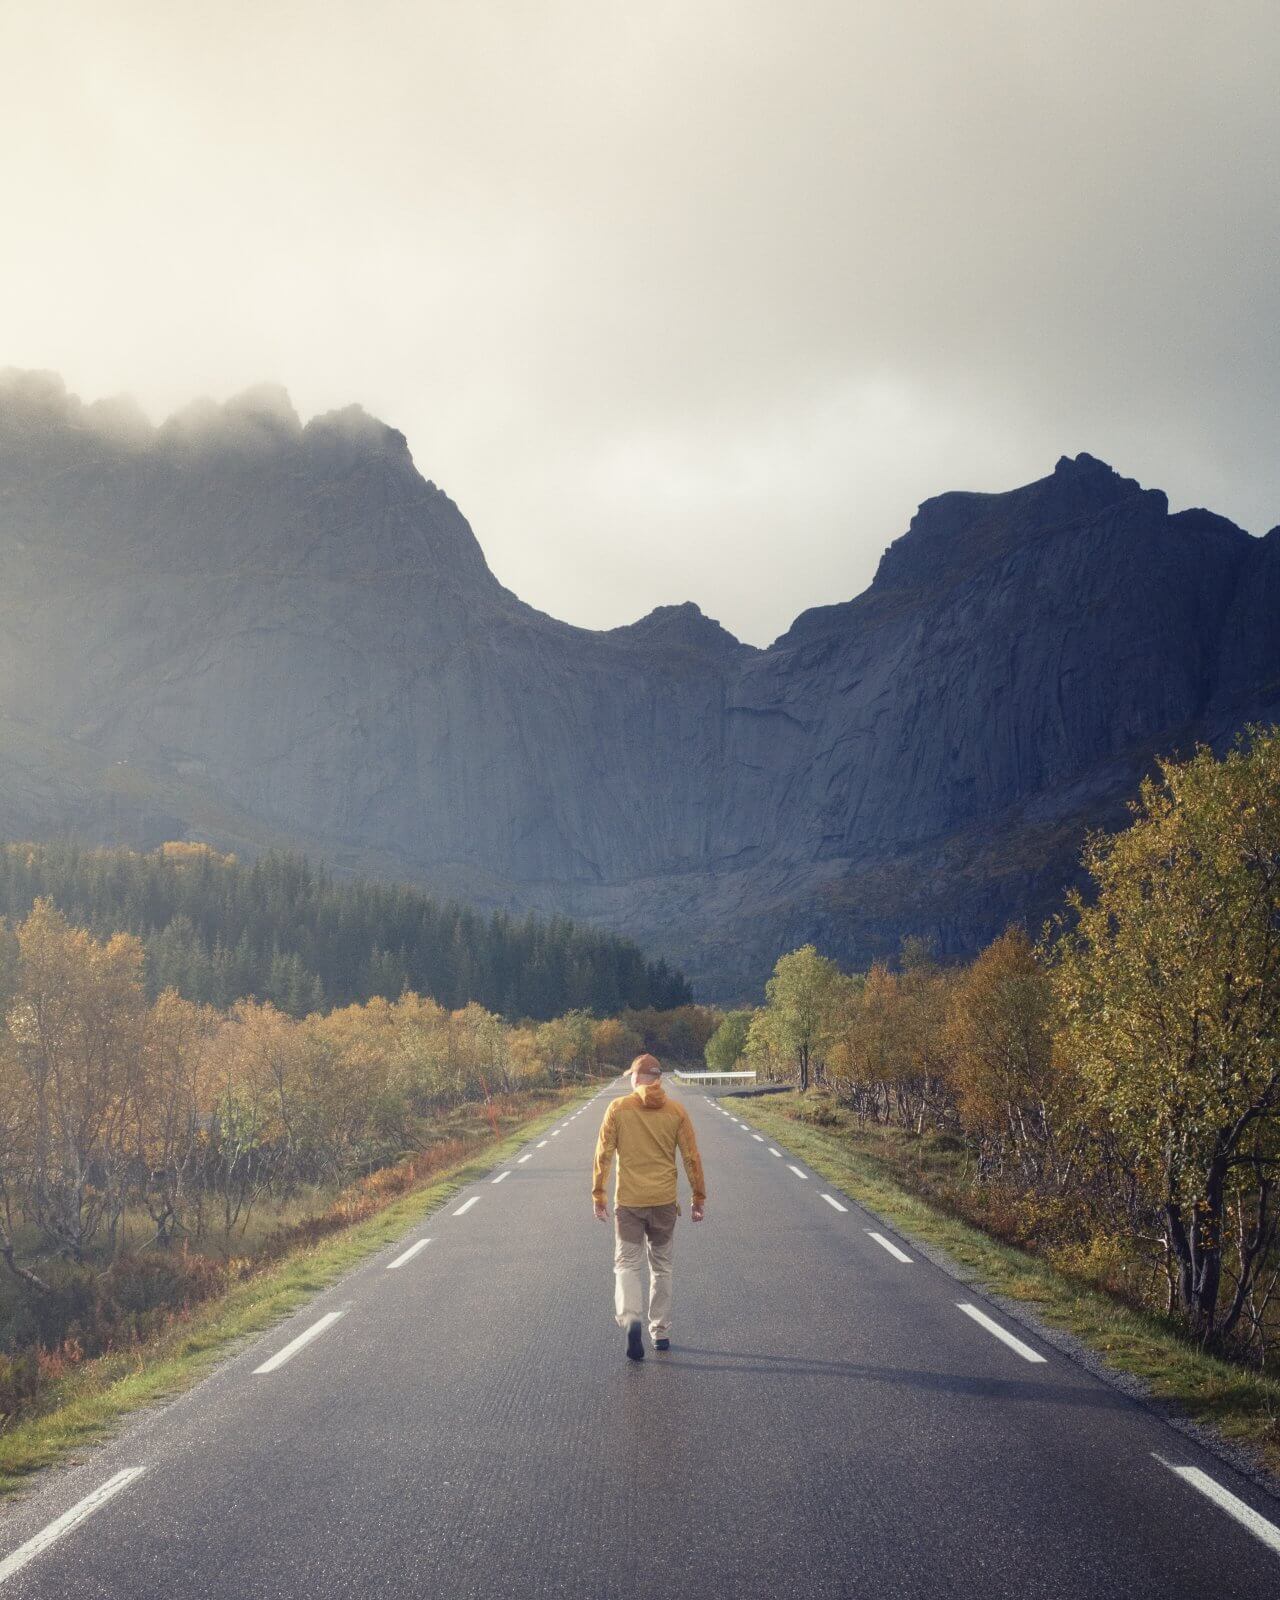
(240, 629)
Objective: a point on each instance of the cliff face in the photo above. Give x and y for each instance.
(247, 630)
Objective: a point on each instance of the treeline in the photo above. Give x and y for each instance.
(111, 1102)
(281, 929)
(1114, 1086)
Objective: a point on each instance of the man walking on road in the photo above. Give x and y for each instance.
(645, 1129)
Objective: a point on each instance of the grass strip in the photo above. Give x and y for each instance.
(1242, 1406)
(81, 1408)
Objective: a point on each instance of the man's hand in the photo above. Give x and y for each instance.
(699, 1212)
(601, 1210)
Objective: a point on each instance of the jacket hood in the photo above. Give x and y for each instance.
(650, 1095)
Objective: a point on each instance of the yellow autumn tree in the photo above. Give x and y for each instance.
(794, 1026)
(865, 1055)
(76, 1022)
(166, 1113)
(614, 1044)
(1012, 1096)
(1168, 987)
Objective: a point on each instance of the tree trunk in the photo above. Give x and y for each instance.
(23, 1274)
(1198, 1253)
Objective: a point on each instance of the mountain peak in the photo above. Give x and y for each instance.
(353, 428)
(230, 485)
(683, 626)
(260, 418)
(1069, 466)
(266, 404)
(961, 529)
(36, 404)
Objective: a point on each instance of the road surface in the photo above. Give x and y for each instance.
(456, 1419)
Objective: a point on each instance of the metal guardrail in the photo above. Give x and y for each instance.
(709, 1077)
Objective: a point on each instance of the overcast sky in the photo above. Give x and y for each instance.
(689, 300)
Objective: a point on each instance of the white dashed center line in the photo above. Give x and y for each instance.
(1244, 1514)
(528, 1155)
(503, 1175)
(759, 1137)
(1003, 1334)
(291, 1349)
(798, 1172)
(834, 1203)
(68, 1520)
(408, 1255)
(556, 1132)
(774, 1152)
(539, 1144)
(466, 1206)
(888, 1244)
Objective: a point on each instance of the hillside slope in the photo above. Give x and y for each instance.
(241, 629)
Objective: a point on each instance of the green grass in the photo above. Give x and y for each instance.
(875, 1168)
(82, 1408)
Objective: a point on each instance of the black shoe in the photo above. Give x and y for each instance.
(635, 1343)
(662, 1344)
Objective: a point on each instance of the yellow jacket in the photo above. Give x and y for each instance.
(646, 1129)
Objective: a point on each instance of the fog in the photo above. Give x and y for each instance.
(681, 301)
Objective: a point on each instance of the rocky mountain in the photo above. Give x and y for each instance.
(237, 628)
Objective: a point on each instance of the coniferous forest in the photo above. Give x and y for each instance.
(282, 929)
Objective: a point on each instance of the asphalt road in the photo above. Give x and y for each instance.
(830, 1422)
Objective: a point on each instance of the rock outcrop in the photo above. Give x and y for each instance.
(239, 628)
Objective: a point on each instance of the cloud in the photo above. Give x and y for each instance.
(677, 301)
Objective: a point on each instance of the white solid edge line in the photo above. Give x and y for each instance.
(304, 1338)
(502, 1175)
(798, 1172)
(834, 1203)
(1244, 1514)
(83, 1508)
(1003, 1334)
(774, 1152)
(888, 1244)
(466, 1206)
(408, 1255)
(527, 1156)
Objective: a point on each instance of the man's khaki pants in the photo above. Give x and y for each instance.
(641, 1230)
